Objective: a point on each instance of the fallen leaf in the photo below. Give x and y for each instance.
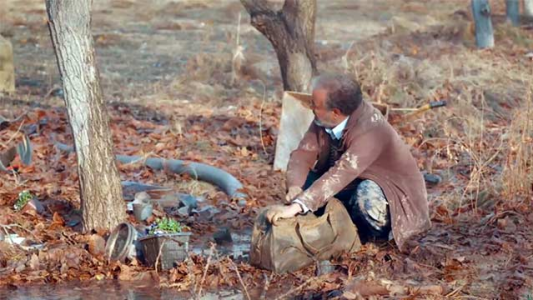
(367, 288)
(96, 245)
(34, 262)
(426, 290)
(244, 152)
(20, 267)
(350, 296)
(99, 277)
(57, 221)
(125, 273)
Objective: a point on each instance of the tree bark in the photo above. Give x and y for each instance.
(483, 23)
(289, 25)
(7, 68)
(528, 8)
(512, 8)
(101, 192)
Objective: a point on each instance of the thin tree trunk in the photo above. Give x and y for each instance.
(512, 8)
(483, 23)
(100, 188)
(290, 28)
(528, 8)
(7, 69)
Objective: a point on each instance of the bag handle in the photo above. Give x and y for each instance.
(312, 250)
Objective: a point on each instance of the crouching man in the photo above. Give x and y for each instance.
(352, 153)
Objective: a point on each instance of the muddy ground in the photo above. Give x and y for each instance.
(166, 71)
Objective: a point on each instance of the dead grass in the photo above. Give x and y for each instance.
(517, 176)
(10, 253)
(515, 35)
(485, 132)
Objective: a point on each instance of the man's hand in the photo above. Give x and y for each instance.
(293, 192)
(282, 212)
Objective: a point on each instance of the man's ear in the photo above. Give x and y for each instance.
(337, 112)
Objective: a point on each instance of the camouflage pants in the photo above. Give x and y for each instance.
(369, 210)
(367, 205)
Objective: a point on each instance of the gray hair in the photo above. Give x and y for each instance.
(343, 93)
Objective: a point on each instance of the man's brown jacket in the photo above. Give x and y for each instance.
(372, 150)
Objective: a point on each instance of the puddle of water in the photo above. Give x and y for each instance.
(109, 290)
(238, 250)
(90, 290)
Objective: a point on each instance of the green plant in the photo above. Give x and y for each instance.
(24, 197)
(167, 225)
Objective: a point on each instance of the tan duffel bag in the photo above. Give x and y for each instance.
(300, 241)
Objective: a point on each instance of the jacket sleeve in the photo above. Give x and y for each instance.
(303, 158)
(356, 159)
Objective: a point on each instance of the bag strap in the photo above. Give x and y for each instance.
(312, 250)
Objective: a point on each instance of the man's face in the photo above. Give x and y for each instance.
(324, 117)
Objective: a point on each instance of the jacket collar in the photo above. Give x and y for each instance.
(356, 115)
(337, 131)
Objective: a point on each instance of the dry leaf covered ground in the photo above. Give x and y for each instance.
(175, 91)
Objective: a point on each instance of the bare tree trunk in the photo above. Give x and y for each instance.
(290, 26)
(483, 22)
(512, 8)
(7, 69)
(528, 8)
(101, 191)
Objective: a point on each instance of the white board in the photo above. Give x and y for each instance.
(294, 122)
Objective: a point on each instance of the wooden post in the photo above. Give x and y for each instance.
(483, 22)
(7, 70)
(512, 8)
(528, 8)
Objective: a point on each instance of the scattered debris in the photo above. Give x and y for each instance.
(223, 236)
(241, 202)
(131, 189)
(119, 245)
(34, 205)
(324, 267)
(142, 211)
(432, 179)
(188, 200)
(13, 239)
(22, 149)
(208, 212)
(183, 211)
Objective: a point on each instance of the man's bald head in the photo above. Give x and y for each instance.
(343, 93)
